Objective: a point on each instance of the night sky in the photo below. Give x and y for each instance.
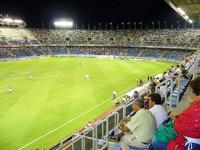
(35, 12)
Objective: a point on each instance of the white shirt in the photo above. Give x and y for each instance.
(114, 93)
(178, 70)
(142, 125)
(159, 114)
(87, 76)
(166, 75)
(162, 91)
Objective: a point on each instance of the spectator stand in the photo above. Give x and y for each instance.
(174, 92)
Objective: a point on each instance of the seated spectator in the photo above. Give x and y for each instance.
(135, 95)
(138, 129)
(186, 124)
(145, 98)
(184, 73)
(178, 70)
(156, 109)
(152, 85)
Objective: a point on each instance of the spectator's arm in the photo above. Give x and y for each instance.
(124, 128)
(124, 120)
(174, 115)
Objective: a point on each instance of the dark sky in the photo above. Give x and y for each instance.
(36, 12)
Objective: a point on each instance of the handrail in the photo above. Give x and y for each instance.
(196, 66)
(165, 83)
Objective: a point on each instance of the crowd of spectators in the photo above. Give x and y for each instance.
(137, 130)
(111, 42)
(18, 52)
(164, 37)
(83, 50)
(112, 51)
(144, 131)
(4, 53)
(186, 125)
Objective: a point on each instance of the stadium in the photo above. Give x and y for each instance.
(108, 86)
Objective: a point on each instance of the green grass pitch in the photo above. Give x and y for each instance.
(59, 94)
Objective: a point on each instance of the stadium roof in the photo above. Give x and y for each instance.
(190, 7)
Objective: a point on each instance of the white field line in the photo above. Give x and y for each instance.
(41, 137)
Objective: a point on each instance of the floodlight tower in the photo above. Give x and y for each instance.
(8, 21)
(63, 23)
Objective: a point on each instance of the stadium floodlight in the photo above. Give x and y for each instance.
(182, 13)
(63, 24)
(18, 21)
(7, 20)
(186, 17)
(190, 21)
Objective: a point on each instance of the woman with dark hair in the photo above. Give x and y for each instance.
(186, 124)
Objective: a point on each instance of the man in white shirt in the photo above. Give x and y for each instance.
(30, 76)
(114, 94)
(11, 75)
(178, 70)
(10, 89)
(86, 76)
(156, 109)
(139, 129)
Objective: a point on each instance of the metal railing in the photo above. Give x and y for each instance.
(95, 134)
(168, 86)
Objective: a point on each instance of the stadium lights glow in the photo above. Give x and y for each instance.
(12, 21)
(186, 17)
(17, 21)
(190, 21)
(181, 11)
(63, 24)
(7, 20)
(172, 5)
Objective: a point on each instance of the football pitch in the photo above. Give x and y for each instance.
(58, 99)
